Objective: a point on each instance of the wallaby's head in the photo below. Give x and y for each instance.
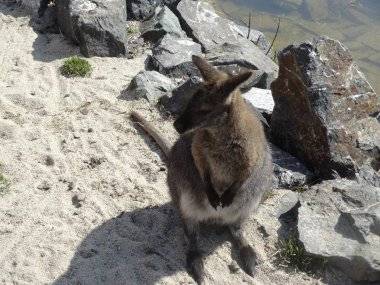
(210, 105)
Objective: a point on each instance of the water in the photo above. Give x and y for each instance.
(356, 23)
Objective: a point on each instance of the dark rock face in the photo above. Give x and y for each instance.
(141, 9)
(98, 27)
(324, 110)
(172, 56)
(339, 220)
(163, 22)
(150, 85)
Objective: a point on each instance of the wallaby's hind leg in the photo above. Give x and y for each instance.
(246, 253)
(194, 260)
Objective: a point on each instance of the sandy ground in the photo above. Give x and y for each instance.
(87, 201)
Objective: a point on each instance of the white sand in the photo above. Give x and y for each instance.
(64, 223)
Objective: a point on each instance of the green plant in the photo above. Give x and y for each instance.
(299, 189)
(292, 254)
(4, 184)
(132, 29)
(75, 66)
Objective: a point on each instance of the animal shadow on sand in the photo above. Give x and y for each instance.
(49, 44)
(138, 247)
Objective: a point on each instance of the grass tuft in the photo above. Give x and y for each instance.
(132, 29)
(292, 254)
(75, 66)
(299, 189)
(4, 184)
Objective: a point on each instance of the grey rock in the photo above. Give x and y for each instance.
(181, 95)
(287, 202)
(261, 99)
(150, 85)
(244, 55)
(339, 220)
(163, 22)
(223, 41)
(172, 56)
(324, 110)
(141, 9)
(98, 27)
(200, 20)
(288, 171)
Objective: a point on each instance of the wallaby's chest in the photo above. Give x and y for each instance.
(225, 167)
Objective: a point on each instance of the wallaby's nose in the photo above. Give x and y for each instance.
(179, 126)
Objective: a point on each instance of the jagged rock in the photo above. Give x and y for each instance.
(150, 85)
(141, 9)
(164, 22)
(172, 56)
(181, 95)
(339, 220)
(288, 171)
(325, 110)
(244, 55)
(222, 40)
(260, 98)
(269, 215)
(98, 27)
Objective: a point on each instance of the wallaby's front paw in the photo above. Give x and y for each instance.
(248, 260)
(195, 266)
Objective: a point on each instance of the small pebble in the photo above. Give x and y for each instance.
(233, 267)
(49, 161)
(44, 186)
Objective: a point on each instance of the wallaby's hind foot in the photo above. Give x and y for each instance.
(194, 261)
(247, 254)
(195, 267)
(248, 260)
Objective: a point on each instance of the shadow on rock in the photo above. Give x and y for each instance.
(49, 45)
(138, 247)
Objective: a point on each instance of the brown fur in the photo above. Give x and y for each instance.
(220, 167)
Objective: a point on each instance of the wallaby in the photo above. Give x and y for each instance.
(220, 167)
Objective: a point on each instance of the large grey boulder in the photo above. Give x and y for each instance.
(98, 27)
(325, 110)
(163, 22)
(244, 54)
(149, 85)
(172, 56)
(223, 41)
(340, 220)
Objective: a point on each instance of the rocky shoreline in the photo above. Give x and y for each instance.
(320, 113)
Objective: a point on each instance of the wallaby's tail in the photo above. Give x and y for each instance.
(153, 132)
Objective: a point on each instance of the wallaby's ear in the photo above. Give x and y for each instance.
(233, 82)
(209, 72)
